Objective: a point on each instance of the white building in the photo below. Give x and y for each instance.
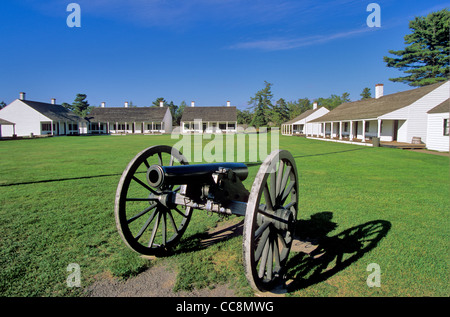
(129, 120)
(437, 127)
(396, 117)
(39, 118)
(209, 119)
(302, 125)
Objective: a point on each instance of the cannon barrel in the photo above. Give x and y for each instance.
(158, 175)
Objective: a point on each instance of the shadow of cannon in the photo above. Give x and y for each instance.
(321, 256)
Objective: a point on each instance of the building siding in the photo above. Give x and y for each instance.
(436, 140)
(26, 118)
(416, 113)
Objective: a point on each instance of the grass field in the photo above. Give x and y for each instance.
(365, 205)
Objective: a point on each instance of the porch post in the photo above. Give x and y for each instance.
(340, 130)
(364, 131)
(379, 128)
(351, 131)
(331, 135)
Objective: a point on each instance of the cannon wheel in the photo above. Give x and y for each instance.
(146, 224)
(270, 220)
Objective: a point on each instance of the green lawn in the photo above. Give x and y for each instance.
(364, 205)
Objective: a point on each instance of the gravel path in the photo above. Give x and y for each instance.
(158, 281)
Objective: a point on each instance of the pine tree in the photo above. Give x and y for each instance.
(366, 94)
(280, 112)
(426, 57)
(80, 106)
(262, 104)
(156, 103)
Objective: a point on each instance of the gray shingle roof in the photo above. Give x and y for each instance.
(373, 108)
(5, 122)
(210, 114)
(305, 114)
(53, 111)
(131, 114)
(442, 107)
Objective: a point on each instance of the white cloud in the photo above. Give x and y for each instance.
(285, 44)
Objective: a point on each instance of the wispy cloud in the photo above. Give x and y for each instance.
(174, 13)
(286, 44)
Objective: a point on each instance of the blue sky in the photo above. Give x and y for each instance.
(209, 51)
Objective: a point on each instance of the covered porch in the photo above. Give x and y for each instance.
(364, 130)
(125, 127)
(199, 126)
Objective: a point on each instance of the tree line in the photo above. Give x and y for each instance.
(264, 112)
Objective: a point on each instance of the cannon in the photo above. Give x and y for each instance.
(159, 190)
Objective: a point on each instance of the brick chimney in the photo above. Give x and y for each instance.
(126, 104)
(161, 103)
(22, 96)
(379, 90)
(53, 101)
(103, 104)
(192, 104)
(228, 104)
(315, 106)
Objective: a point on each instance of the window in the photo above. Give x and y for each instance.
(445, 126)
(157, 126)
(121, 126)
(367, 126)
(222, 126)
(46, 127)
(186, 125)
(345, 126)
(73, 126)
(231, 126)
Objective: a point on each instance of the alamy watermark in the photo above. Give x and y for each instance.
(74, 278)
(374, 278)
(374, 19)
(74, 18)
(241, 145)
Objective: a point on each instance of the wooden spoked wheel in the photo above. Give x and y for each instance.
(270, 220)
(146, 219)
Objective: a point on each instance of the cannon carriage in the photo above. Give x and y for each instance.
(159, 190)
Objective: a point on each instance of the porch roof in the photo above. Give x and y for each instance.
(5, 122)
(441, 108)
(374, 108)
